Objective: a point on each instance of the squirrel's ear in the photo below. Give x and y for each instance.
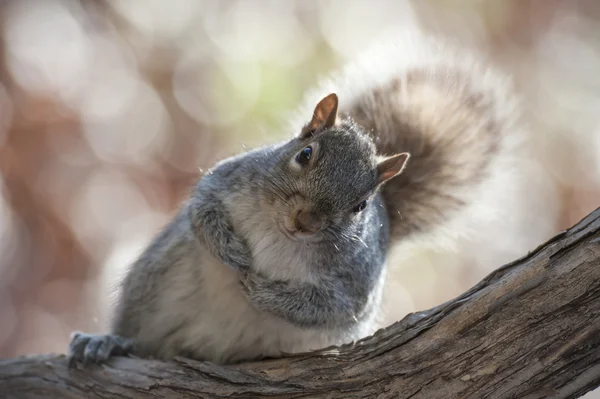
(324, 116)
(391, 167)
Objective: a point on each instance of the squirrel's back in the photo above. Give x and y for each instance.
(453, 113)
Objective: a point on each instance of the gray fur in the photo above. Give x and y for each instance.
(313, 294)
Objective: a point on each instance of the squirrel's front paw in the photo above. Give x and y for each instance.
(245, 283)
(92, 348)
(252, 281)
(237, 254)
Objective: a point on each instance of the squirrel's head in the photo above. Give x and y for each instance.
(332, 171)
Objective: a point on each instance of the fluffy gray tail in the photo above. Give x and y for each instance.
(454, 129)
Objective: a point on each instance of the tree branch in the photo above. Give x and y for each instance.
(530, 329)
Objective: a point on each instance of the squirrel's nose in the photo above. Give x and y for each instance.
(307, 222)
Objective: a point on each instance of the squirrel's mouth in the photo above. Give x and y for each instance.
(287, 233)
(297, 235)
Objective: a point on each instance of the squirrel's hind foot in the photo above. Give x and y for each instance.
(93, 348)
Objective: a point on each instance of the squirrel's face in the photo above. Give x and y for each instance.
(327, 177)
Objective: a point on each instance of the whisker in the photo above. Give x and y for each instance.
(363, 243)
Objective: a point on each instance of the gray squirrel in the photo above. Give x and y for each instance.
(280, 249)
(283, 249)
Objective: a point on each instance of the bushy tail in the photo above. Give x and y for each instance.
(457, 137)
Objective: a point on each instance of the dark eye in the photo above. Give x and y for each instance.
(360, 207)
(304, 156)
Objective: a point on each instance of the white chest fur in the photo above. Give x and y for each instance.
(273, 254)
(280, 258)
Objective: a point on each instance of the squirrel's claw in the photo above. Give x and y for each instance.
(96, 349)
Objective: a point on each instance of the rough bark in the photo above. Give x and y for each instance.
(531, 329)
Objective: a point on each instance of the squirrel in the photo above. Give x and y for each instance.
(283, 249)
(280, 249)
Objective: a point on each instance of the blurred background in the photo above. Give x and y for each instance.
(109, 108)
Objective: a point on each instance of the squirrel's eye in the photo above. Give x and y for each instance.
(360, 207)
(304, 156)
